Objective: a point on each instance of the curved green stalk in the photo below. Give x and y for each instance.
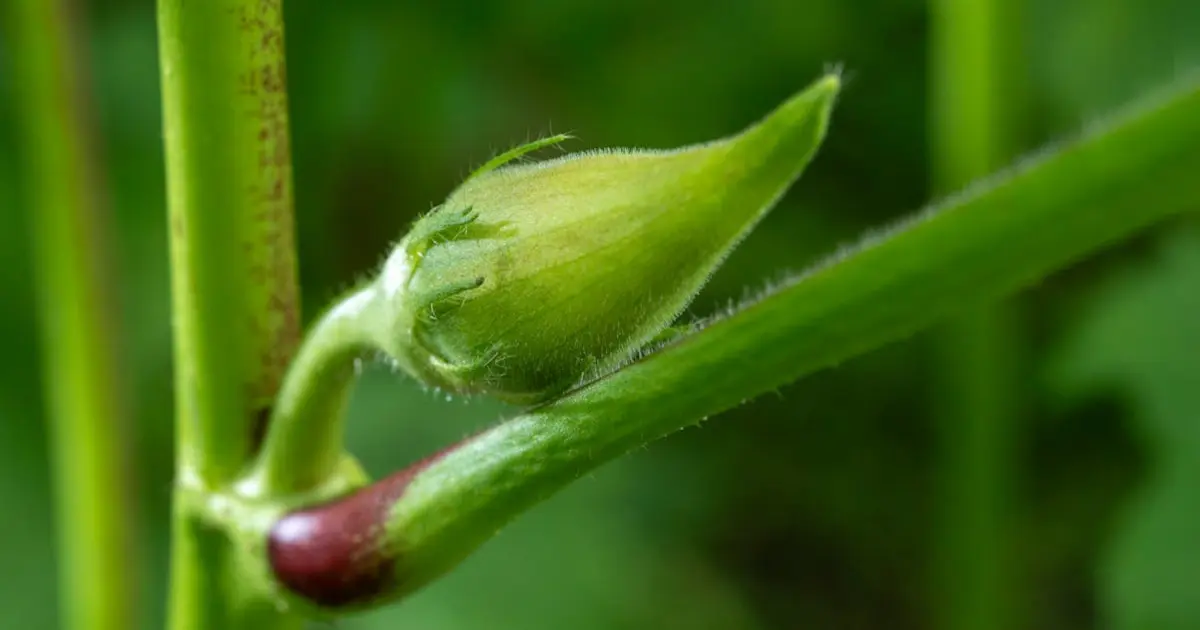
(305, 443)
(990, 241)
(234, 292)
(79, 337)
(975, 103)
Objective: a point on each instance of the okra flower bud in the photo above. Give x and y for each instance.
(531, 277)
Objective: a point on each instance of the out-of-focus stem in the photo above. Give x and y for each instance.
(84, 392)
(974, 109)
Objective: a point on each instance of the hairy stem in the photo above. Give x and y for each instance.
(233, 269)
(975, 104)
(76, 304)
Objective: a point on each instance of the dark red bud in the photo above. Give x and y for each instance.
(335, 554)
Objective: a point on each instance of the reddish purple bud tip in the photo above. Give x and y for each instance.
(336, 554)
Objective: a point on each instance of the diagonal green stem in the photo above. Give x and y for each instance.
(234, 292)
(76, 304)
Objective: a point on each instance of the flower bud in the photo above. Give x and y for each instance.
(530, 277)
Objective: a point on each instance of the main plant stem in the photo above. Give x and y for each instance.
(234, 291)
(974, 106)
(80, 366)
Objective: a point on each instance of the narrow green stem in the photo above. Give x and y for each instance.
(306, 441)
(979, 386)
(234, 292)
(974, 106)
(84, 393)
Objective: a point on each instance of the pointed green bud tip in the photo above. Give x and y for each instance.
(532, 277)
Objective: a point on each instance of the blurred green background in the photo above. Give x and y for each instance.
(817, 507)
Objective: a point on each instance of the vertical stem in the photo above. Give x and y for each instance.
(972, 119)
(80, 366)
(233, 265)
(229, 180)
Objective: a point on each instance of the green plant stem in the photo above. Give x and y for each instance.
(233, 261)
(979, 386)
(974, 104)
(306, 441)
(234, 292)
(992, 240)
(76, 305)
